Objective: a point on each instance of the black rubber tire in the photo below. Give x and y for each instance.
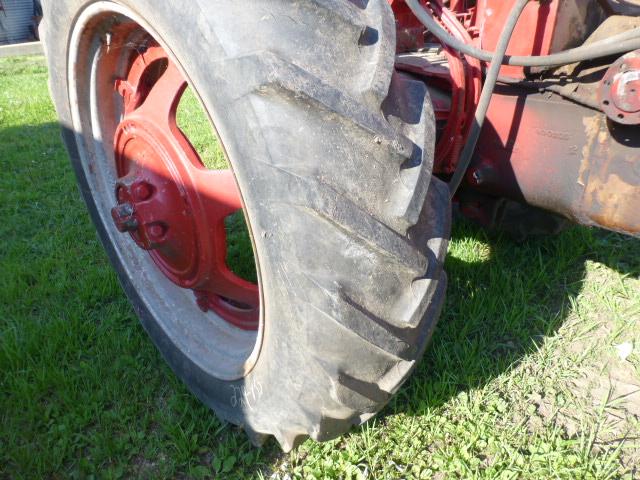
(333, 154)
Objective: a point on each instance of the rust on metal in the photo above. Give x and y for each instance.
(562, 157)
(619, 92)
(539, 149)
(611, 169)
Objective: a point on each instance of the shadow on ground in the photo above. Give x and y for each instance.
(503, 301)
(88, 392)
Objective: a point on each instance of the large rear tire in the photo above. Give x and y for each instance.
(332, 152)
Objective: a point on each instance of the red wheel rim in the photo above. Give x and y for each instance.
(168, 201)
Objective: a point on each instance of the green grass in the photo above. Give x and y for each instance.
(524, 378)
(193, 121)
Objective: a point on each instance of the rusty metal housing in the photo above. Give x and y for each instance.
(567, 139)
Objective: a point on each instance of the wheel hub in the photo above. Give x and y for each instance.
(168, 201)
(619, 91)
(150, 194)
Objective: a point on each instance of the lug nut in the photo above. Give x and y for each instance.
(156, 231)
(141, 191)
(123, 218)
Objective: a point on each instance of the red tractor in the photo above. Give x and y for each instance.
(350, 128)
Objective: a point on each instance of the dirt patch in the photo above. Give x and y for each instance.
(600, 404)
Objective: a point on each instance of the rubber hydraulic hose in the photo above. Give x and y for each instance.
(487, 93)
(614, 45)
(554, 87)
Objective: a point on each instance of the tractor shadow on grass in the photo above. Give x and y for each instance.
(504, 298)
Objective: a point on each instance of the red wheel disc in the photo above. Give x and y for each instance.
(169, 202)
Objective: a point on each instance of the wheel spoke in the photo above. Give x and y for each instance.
(218, 192)
(143, 70)
(219, 196)
(177, 206)
(231, 287)
(163, 99)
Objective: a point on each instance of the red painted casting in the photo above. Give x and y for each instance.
(462, 78)
(168, 201)
(409, 30)
(534, 35)
(466, 86)
(541, 150)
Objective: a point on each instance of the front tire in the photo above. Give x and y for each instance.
(332, 152)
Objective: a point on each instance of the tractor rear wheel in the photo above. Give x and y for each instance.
(330, 153)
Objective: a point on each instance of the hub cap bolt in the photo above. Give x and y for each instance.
(123, 218)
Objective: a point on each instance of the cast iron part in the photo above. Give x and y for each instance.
(539, 149)
(168, 201)
(560, 156)
(619, 92)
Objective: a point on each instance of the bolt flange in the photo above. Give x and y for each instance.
(619, 92)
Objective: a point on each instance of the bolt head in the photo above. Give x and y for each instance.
(123, 217)
(141, 191)
(157, 231)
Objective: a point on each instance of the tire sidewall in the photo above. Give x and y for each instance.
(349, 243)
(181, 26)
